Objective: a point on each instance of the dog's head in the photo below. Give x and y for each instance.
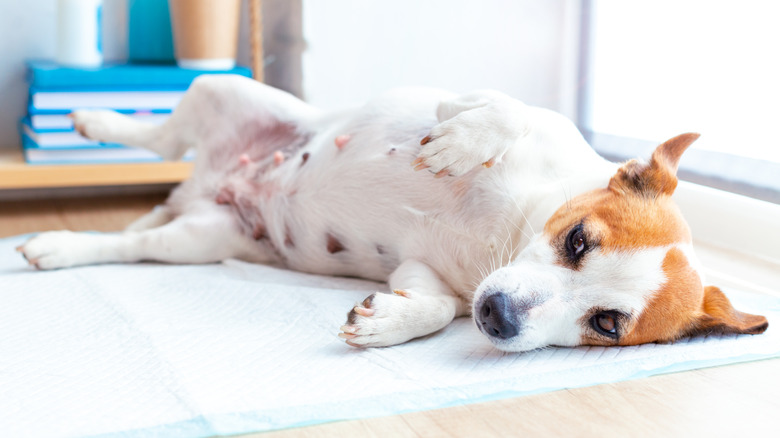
(613, 266)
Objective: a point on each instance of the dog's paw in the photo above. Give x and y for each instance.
(55, 249)
(473, 138)
(95, 124)
(384, 319)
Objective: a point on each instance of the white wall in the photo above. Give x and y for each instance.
(357, 48)
(675, 63)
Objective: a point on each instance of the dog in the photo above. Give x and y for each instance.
(465, 204)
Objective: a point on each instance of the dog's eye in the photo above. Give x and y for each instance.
(605, 323)
(575, 243)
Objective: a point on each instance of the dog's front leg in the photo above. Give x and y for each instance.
(420, 304)
(487, 127)
(474, 129)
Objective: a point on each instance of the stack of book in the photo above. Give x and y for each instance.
(145, 92)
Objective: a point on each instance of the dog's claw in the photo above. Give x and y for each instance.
(421, 166)
(417, 161)
(346, 328)
(362, 311)
(402, 293)
(347, 336)
(19, 248)
(425, 140)
(489, 163)
(442, 173)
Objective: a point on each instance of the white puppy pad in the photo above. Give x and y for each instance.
(156, 350)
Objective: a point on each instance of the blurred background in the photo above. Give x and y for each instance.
(630, 73)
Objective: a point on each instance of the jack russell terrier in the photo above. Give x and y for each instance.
(465, 204)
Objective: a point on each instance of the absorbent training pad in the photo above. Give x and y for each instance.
(196, 351)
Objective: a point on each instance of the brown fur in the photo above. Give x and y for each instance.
(635, 211)
(718, 316)
(673, 309)
(618, 221)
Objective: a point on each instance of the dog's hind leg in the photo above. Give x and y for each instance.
(189, 238)
(217, 112)
(421, 303)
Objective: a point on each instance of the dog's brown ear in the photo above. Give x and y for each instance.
(719, 316)
(659, 177)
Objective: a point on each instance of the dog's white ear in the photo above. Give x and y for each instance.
(659, 177)
(719, 316)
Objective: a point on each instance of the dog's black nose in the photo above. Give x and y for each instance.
(496, 317)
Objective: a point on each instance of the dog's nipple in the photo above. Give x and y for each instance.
(278, 158)
(225, 196)
(259, 231)
(288, 241)
(334, 245)
(342, 140)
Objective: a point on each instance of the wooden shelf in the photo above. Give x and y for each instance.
(16, 174)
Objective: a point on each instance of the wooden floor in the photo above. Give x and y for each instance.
(733, 400)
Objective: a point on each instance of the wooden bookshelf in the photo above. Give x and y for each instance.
(16, 174)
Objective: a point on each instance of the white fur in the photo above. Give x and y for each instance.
(559, 297)
(435, 239)
(693, 260)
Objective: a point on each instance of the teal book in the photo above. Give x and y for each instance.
(45, 74)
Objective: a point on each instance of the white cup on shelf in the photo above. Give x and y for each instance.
(79, 39)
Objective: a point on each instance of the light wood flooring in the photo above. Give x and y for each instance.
(734, 400)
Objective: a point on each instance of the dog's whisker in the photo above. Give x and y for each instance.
(506, 250)
(511, 249)
(566, 194)
(525, 218)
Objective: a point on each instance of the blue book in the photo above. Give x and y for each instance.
(60, 122)
(58, 140)
(33, 154)
(63, 101)
(49, 74)
(104, 154)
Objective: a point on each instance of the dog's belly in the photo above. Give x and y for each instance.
(359, 209)
(347, 202)
(349, 210)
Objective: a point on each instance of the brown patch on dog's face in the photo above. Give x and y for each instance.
(673, 309)
(614, 266)
(616, 221)
(633, 213)
(635, 210)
